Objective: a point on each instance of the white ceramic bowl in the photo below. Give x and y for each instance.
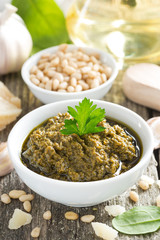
(47, 96)
(79, 194)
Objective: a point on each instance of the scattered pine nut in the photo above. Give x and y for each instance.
(143, 185)
(158, 201)
(147, 179)
(15, 194)
(27, 206)
(35, 232)
(27, 197)
(5, 198)
(87, 218)
(47, 215)
(71, 216)
(134, 196)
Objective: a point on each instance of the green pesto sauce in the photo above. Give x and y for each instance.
(90, 157)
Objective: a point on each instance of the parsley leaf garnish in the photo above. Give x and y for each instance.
(85, 119)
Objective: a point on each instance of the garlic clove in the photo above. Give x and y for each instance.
(154, 124)
(141, 84)
(6, 165)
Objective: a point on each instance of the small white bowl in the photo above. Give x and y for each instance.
(47, 96)
(79, 194)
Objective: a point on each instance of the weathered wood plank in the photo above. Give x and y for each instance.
(58, 228)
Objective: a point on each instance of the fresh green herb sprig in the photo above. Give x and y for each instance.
(138, 220)
(85, 119)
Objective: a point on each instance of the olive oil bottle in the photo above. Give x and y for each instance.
(128, 29)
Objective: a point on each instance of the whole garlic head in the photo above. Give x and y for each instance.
(15, 41)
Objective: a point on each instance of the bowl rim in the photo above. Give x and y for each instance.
(50, 49)
(131, 171)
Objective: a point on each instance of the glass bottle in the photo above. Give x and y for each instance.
(128, 29)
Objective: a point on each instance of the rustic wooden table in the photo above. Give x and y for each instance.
(58, 228)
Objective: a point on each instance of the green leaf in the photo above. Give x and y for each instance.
(86, 119)
(45, 22)
(138, 220)
(70, 127)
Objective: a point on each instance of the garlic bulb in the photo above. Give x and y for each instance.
(15, 41)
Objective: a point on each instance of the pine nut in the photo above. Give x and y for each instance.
(35, 232)
(92, 74)
(41, 85)
(83, 84)
(108, 72)
(85, 69)
(63, 85)
(47, 215)
(73, 82)
(93, 59)
(64, 63)
(34, 69)
(55, 84)
(103, 77)
(35, 81)
(71, 216)
(27, 197)
(39, 75)
(143, 185)
(55, 62)
(69, 70)
(63, 47)
(61, 90)
(60, 54)
(95, 83)
(48, 85)
(77, 75)
(78, 88)
(50, 73)
(27, 206)
(5, 198)
(41, 61)
(87, 218)
(70, 89)
(45, 55)
(134, 196)
(42, 66)
(15, 194)
(158, 201)
(59, 76)
(96, 67)
(45, 79)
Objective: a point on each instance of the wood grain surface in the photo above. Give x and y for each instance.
(58, 228)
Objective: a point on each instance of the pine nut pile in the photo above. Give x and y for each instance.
(69, 71)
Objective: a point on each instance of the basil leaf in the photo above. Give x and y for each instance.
(45, 22)
(138, 220)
